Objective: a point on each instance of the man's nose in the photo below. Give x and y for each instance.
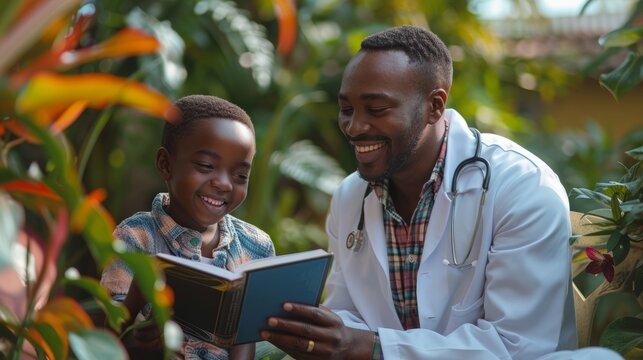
(356, 125)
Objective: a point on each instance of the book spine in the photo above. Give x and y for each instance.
(226, 328)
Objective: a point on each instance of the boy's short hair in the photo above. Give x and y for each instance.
(422, 46)
(197, 107)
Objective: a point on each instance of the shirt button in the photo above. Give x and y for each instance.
(411, 259)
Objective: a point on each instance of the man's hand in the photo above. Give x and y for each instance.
(317, 334)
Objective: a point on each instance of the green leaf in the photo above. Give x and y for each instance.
(605, 214)
(52, 339)
(613, 240)
(612, 306)
(625, 77)
(601, 232)
(616, 209)
(622, 37)
(622, 249)
(306, 163)
(96, 344)
(149, 279)
(623, 334)
(116, 314)
(582, 193)
(636, 153)
(638, 280)
(11, 218)
(613, 188)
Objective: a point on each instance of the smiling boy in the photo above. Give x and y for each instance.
(205, 160)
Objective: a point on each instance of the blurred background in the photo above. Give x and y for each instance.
(526, 69)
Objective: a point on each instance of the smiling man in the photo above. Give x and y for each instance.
(448, 243)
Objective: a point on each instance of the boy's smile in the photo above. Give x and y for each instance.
(207, 173)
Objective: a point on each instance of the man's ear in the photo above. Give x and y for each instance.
(163, 163)
(437, 103)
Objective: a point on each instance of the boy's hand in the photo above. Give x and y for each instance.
(320, 335)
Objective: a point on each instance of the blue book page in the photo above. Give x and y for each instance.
(267, 289)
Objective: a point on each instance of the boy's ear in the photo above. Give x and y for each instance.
(163, 163)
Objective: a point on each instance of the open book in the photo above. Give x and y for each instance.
(228, 308)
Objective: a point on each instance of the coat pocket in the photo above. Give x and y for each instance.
(467, 314)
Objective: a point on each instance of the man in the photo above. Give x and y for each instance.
(444, 269)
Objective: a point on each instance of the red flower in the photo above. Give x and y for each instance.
(601, 263)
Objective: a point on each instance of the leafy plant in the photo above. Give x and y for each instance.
(43, 203)
(628, 37)
(617, 254)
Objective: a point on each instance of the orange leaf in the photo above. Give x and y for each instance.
(66, 313)
(91, 202)
(68, 117)
(19, 130)
(53, 59)
(22, 34)
(30, 187)
(126, 42)
(44, 344)
(287, 20)
(49, 93)
(81, 23)
(165, 297)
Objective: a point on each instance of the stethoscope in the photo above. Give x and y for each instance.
(355, 240)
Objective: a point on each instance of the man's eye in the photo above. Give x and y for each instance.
(377, 110)
(346, 111)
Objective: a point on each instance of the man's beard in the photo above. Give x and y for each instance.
(403, 158)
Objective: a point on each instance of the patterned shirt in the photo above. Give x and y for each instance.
(156, 232)
(405, 242)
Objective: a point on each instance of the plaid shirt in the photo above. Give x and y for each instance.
(156, 232)
(405, 242)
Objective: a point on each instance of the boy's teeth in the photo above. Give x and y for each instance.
(367, 148)
(212, 201)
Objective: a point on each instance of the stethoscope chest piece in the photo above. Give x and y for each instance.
(355, 240)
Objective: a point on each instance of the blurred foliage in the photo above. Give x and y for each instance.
(282, 64)
(49, 218)
(225, 47)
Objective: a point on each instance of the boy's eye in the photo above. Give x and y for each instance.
(242, 177)
(203, 165)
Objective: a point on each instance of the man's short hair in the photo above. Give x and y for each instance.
(197, 107)
(422, 46)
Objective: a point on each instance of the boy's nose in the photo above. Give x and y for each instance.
(221, 182)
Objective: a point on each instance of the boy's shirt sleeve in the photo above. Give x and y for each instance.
(117, 276)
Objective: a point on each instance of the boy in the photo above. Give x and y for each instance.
(205, 160)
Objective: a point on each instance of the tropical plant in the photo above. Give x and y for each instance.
(611, 234)
(614, 250)
(627, 37)
(45, 210)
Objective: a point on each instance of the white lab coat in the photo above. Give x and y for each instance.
(516, 303)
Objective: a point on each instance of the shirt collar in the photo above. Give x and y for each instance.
(182, 240)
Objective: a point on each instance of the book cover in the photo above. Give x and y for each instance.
(226, 308)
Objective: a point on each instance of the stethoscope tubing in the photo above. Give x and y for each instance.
(485, 186)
